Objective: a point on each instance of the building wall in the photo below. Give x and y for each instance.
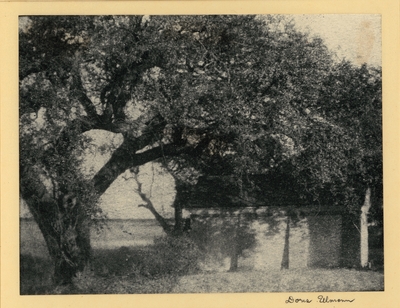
(259, 239)
(325, 241)
(350, 243)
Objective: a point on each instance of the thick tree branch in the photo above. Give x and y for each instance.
(23, 73)
(126, 157)
(87, 104)
(80, 93)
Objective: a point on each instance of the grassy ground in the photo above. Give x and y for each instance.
(169, 266)
(304, 280)
(143, 269)
(127, 271)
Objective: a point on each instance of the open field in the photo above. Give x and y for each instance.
(304, 280)
(169, 266)
(122, 278)
(116, 233)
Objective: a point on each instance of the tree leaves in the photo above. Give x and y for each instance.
(261, 93)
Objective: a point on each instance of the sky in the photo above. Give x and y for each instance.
(357, 38)
(354, 37)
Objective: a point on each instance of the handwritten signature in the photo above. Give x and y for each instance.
(320, 299)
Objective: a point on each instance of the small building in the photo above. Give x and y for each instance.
(268, 227)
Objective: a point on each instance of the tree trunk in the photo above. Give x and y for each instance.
(234, 252)
(179, 223)
(68, 243)
(234, 259)
(235, 246)
(161, 220)
(65, 228)
(180, 199)
(364, 229)
(180, 226)
(285, 257)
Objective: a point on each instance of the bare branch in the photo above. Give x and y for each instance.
(149, 204)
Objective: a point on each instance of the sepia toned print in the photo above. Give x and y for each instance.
(200, 154)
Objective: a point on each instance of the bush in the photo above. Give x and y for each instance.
(129, 270)
(168, 256)
(35, 274)
(176, 256)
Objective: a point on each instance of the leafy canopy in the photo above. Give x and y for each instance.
(221, 94)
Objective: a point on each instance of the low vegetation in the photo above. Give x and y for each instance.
(171, 266)
(292, 280)
(147, 269)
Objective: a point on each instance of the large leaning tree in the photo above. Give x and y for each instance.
(217, 94)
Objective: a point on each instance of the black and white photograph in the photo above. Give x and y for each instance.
(186, 154)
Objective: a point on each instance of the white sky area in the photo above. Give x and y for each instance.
(354, 37)
(120, 200)
(357, 38)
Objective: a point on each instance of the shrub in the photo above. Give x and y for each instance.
(175, 256)
(35, 274)
(168, 256)
(150, 269)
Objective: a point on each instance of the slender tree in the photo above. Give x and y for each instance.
(353, 99)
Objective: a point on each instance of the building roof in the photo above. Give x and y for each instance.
(266, 211)
(256, 191)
